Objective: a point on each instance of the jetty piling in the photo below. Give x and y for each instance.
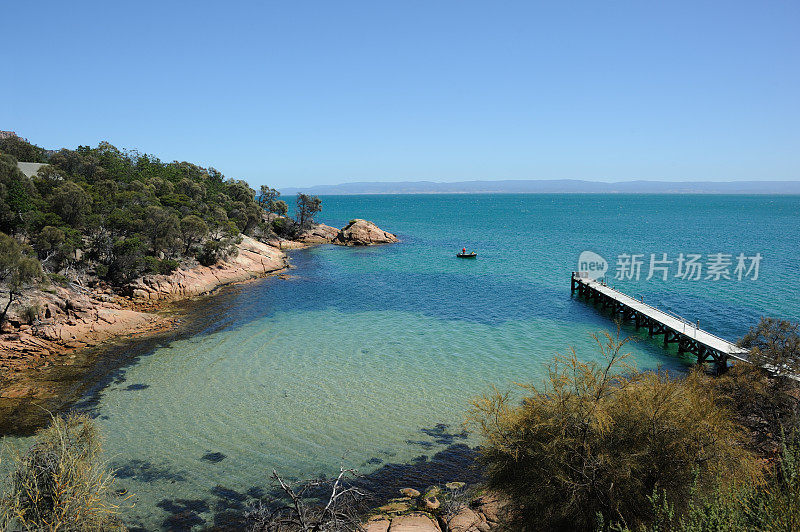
(675, 330)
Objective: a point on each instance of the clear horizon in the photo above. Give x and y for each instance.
(298, 95)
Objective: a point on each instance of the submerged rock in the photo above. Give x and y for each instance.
(363, 233)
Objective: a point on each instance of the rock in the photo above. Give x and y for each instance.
(414, 522)
(363, 233)
(377, 524)
(410, 492)
(489, 506)
(433, 491)
(432, 503)
(319, 234)
(396, 506)
(466, 520)
(283, 244)
(138, 293)
(253, 258)
(452, 486)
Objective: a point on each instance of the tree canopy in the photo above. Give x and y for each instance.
(307, 207)
(129, 213)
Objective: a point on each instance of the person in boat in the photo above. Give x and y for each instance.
(463, 251)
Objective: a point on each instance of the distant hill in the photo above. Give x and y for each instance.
(554, 186)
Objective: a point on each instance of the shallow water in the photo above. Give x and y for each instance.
(368, 357)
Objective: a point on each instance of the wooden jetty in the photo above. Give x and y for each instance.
(689, 337)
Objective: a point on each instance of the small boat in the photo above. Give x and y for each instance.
(470, 255)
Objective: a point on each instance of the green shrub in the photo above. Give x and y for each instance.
(210, 253)
(151, 264)
(31, 312)
(598, 439)
(214, 251)
(60, 482)
(773, 505)
(285, 228)
(129, 260)
(58, 279)
(101, 270)
(167, 266)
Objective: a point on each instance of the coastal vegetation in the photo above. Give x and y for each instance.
(61, 483)
(604, 446)
(116, 214)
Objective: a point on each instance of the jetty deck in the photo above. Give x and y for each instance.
(689, 337)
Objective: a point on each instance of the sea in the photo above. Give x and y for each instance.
(369, 357)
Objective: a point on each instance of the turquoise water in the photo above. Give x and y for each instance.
(368, 357)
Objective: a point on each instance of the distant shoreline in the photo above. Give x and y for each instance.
(543, 193)
(562, 186)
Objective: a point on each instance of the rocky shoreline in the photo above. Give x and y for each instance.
(437, 510)
(69, 319)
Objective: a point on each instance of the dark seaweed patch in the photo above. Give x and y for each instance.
(184, 513)
(135, 387)
(256, 492)
(421, 443)
(214, 458)
(443, 436)
(231, 496)
(145, 471)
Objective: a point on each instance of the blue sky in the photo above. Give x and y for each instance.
(297, 93)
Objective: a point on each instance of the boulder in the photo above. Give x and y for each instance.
(319, 234)
(377, 524)
(466, 520)
(396, 506)
(433, 491)
(363, 233)
(489, 506)
(409, 492)
(414, 522)
(432, 503)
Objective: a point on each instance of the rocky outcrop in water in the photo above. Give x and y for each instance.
(363, 233)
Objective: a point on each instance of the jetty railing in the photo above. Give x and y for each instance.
(698, 342)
